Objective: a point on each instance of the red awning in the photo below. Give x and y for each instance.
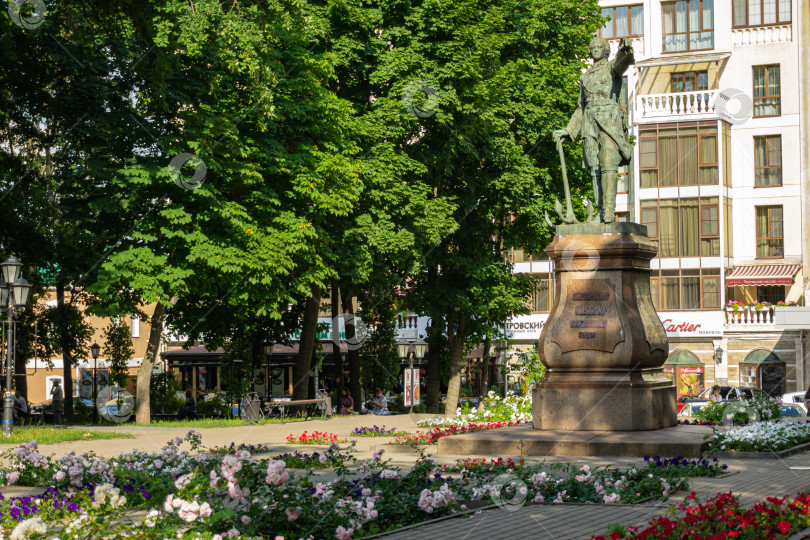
(762, 274)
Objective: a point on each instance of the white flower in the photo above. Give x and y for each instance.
(30, 526)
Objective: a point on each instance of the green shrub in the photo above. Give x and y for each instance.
(766, 409)
(214, 407)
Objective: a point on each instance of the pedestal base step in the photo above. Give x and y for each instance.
(523, 440)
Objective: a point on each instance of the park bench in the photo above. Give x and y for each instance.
(322, 403)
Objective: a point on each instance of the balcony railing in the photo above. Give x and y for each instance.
(761, 35)
(676, 106)
(748, 316)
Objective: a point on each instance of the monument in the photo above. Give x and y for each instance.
(603, 344)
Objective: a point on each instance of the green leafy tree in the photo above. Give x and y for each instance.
(118, 351)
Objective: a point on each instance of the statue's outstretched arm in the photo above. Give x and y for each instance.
(624, 57)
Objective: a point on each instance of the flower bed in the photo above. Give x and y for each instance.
(761, 437)
(316, 437)
(252, 448)
(723, 517)
(376, 431)
(512, 408)
(433, 435)
(315, 460)
(205, 495)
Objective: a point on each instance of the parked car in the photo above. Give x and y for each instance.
(692, 407)
(795, 398)
(734, 393)
(683, 399)
(792, 410)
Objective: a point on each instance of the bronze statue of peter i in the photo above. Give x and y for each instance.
(601, 122)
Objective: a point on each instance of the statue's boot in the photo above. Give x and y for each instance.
(609, 187)
(597, 195)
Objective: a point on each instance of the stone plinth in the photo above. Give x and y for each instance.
(522, 440)
(603, 344)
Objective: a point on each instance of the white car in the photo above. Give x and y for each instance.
(795, 398)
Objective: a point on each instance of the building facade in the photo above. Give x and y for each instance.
(717, 104)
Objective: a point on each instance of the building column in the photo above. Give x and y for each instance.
(798, 344)
(721, 369)
(802, 27)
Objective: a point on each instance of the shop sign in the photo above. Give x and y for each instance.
(325, 329)
(693, 323)
(526, 326)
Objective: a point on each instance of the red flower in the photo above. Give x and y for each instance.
(615, 535)
(784, 526)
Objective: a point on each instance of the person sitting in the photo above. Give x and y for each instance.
(20, 406)
(379, 405)
(346, 403)
(190, 409)
(715, 396)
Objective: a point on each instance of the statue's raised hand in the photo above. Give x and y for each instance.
(560, 134)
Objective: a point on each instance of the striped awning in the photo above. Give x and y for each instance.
(762, 274)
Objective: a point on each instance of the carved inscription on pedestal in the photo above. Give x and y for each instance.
(590, 318)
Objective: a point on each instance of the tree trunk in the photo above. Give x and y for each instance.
(67, 353)
(433, 398)
(355, 366)
(338, 358)
(455, 334)
(482, 392)
(143, 411)
(309, 330)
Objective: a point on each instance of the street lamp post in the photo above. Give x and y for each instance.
(268, 353)
(95, 350)
(404, 348)
(419, 352)
(13, 294)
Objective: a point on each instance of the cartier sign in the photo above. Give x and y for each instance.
(693, 323)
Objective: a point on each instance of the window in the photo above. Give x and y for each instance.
(767, 91)
(543, 295)
(520, 255)
(623, 185)
(770, 241)
(136, 327)
(682, 154)
(625, 21)
(688, 25)
(771, 294)
(761, 12)
(689, 81)
(768, 160)
(683, 227)
(685, 289)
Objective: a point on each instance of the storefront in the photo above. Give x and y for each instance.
(686, 371)
(764, 369)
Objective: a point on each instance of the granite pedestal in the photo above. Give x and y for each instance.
(603, 344)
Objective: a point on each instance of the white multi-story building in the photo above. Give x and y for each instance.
(718, 105)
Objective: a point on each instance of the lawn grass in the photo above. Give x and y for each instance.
(49, 435)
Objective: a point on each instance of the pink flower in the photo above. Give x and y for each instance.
(60, 475)
(344, 534)
(293, 513)
(12, 478)
(246, 519)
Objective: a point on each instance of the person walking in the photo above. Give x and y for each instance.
(57, 399)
